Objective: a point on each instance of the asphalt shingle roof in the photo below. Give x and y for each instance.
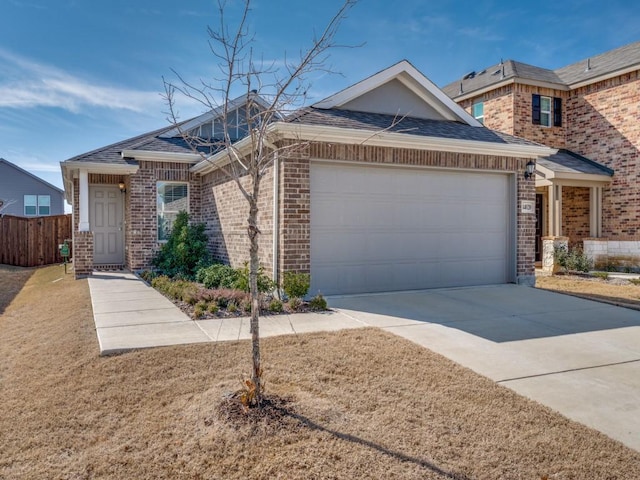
(602, 64)
(570, 162)
(413, 126)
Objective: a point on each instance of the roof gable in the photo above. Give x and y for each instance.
(25, 172)
(400, 90)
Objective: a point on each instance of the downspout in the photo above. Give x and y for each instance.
(276, 220)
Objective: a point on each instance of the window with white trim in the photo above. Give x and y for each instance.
(37, 205)
(173, 197)
(477, 110)
(546, 111)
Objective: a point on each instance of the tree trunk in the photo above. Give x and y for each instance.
(254, 265)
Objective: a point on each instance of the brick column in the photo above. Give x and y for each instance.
(82, 254)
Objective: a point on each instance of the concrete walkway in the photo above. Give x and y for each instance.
(129, 314)
(579, 357)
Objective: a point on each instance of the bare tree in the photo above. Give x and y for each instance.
(4, 204)
(268, 89)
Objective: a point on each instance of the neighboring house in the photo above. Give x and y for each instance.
(590, 110)
(369, 204)
(24, 195)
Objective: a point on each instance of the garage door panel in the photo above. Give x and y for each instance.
(382, 229)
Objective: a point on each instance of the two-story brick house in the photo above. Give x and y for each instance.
(590, 110)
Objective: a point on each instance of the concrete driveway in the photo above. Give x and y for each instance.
(579, 357)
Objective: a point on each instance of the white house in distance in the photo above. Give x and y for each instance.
(25, 195)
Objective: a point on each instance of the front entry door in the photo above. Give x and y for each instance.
(105, 218)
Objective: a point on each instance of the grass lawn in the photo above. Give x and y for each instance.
(616, 291)
(359, 404)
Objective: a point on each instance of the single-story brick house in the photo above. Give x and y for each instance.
(369, 204)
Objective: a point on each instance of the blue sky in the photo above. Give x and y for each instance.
(76, 75)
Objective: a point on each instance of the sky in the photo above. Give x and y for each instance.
(76, 75)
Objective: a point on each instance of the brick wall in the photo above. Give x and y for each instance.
(225, 211)
(498, 108)
(575, 213)
(295, 183)
(82, 253)
(141, 235)
(604, 126)
(523, 126)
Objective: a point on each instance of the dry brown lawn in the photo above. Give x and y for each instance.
(362, 404)
(617, 292)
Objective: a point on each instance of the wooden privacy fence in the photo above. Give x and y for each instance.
(29, 242)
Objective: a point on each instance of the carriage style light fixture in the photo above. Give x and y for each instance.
(122, 187)
(529, 170)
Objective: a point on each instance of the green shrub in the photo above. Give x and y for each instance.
(572, 260)
(318, 303)
(185, 251)
(265, 284)
(148, 275)
(217, 276)
(232, 307)
(176, 290)
(213, 308)
(602, 275)
(296, 285)
(275, 305)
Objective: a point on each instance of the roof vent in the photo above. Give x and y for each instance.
(461, 91)
(469, 75)
(588, 65)
(502, 74)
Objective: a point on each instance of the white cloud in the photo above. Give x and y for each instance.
(28, 84)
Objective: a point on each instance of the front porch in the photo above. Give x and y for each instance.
(569, 202)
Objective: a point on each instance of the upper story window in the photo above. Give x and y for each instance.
(546, 111)
(173, 198)
(477, 110)
(237, 125)
(37, 205)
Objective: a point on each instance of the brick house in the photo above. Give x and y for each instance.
(590, 111)
(393, 186)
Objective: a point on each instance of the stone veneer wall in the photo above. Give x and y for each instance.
(603, 125)
(295, 187)
(225, 212)
(141, 235)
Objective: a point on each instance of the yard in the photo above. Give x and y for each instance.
(353, 404)
(614, 290)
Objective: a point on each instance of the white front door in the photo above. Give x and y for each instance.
(106, 222)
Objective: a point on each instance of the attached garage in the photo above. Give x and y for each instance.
(385, 228)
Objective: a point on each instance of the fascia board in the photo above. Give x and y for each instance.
(605, 76)
(508, 81)
(402, 140)
(96, 167)
(149, 155)
(578, 179)
(222, 157)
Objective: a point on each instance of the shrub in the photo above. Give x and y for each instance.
(185, 250)
(275, 305)
(213, 308)
(296, 285)
(294, 303)
(232, 307)
(635, 281)
(199, 311)
(176, 290)
(265, 284)
(602, 275)
(572, 260)
(217, 276)
(318, 303)
(148, 275)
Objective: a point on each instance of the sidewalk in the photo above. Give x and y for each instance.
(129, 314)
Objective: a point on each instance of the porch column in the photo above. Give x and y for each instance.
(595, 212)
(555, 210)
(83, 223)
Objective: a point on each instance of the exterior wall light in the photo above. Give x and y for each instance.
(529, 170)
(123, 187)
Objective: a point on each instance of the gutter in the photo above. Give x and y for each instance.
(276, 220)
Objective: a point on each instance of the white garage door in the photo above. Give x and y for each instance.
(376, 229)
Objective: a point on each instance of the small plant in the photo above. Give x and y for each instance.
(275, 305)
(248, 393)
(318, 303)
(232, 307)
(217, 276)
(634, 281)
(296, 285)
(148, 275)
(294, 303)
(601, 275)
(213, 308)
(574, 260)
(199, 311)
(265, 284)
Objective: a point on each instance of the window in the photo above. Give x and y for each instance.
(542, 112)
(172, 199)
(37, 205)
(477, 110)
